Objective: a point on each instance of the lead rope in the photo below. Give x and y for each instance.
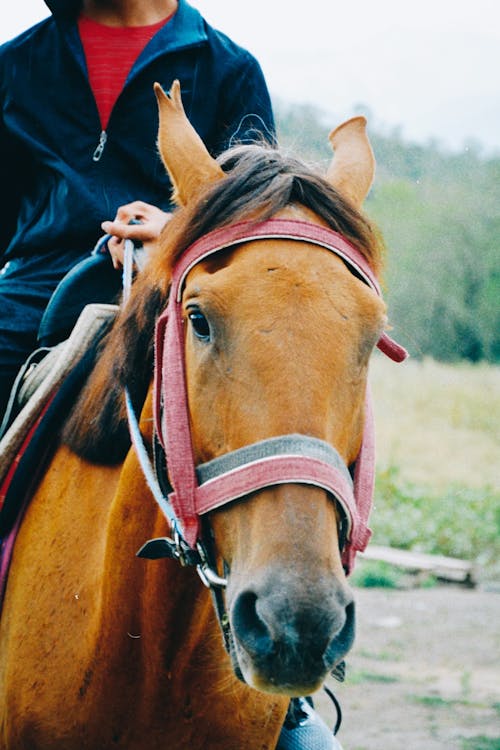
(135, 433)
(338, 709)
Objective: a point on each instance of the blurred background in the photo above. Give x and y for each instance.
(427, 76)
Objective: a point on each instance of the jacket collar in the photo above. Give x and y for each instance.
(66, 8)
(186, 29)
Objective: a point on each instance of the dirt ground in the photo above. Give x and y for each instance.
(424, 673)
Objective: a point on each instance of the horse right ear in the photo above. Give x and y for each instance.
(188, 163)
(352, 168)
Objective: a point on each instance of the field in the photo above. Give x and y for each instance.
(438, 449)
(424, 671)
(439, 424)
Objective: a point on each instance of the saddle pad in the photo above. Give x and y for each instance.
(48, 375)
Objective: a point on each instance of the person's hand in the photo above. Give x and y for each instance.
(152, 219)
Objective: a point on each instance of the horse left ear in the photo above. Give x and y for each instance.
(183, 153)
(352, 168)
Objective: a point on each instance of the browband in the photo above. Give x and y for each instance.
(293, 229)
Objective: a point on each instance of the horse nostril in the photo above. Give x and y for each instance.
(343, 639)
(253, 632)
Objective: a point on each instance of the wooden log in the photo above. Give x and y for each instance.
(444, 568)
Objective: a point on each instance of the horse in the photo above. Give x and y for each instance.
(102, 648)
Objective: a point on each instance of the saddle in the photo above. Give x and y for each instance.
(78, 313)
(75, 313)
(41, 376)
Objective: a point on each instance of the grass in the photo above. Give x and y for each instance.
(358, 676)
(457, 521)
(377, 574)
(481, 743)
(435, 701)
(438, 423)
(438, 483)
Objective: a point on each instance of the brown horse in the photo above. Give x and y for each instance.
(101, 649)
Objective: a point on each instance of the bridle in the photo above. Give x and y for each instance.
(190, 491)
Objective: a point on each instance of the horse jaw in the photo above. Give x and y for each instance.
(183, 153)
(352, 168)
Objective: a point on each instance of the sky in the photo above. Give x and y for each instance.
(429, 69)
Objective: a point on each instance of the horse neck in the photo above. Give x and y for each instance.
(163, 646)
(152, 611)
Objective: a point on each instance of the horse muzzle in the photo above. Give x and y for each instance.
(288, 635)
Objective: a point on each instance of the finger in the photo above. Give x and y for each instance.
(116, 251)
(115, 244)
(119, 229)
(133, 210)
(125, 213)
(141, 232)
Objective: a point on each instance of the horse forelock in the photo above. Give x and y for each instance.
(260, 181)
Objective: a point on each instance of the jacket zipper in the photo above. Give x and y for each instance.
(100, 146)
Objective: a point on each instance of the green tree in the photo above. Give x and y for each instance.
(439, 213)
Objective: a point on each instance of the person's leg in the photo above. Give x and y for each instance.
(26, 286)
(20, 315)
(304, 729)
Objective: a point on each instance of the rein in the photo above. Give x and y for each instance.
(169, 547)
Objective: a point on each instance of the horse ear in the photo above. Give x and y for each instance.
(352, 168)
(183, 153)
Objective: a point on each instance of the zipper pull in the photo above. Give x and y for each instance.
(100, 146)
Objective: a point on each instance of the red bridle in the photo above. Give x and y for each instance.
(280, 460)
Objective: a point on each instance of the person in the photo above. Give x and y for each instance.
(77, 141)
(78, 127)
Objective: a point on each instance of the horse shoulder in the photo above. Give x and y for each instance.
(53, 591)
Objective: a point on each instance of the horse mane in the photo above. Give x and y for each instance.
(260, 181)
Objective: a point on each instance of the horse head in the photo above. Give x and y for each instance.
(277, 335)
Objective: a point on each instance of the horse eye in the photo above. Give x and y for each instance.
(200, 326)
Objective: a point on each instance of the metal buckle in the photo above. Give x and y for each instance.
(209, 577)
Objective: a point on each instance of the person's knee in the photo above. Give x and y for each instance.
(15, 348)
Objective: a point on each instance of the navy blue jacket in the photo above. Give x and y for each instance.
(56, 193)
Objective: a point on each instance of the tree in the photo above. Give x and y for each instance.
(439, 213)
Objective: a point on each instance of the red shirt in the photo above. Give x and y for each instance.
(110, 52)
